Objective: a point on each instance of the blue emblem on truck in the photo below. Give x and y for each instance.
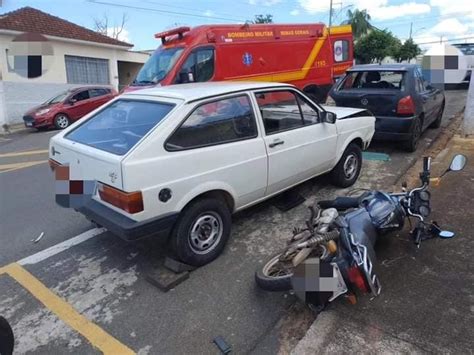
(247, 59)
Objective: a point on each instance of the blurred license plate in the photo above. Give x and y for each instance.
(29, 124)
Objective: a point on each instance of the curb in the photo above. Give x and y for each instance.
(14, 129)
(446, 131)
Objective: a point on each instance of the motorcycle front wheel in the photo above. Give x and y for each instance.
(275, 275)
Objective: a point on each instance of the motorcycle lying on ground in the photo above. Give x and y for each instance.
(334, 255)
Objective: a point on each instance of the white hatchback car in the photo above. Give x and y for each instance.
(179, 160)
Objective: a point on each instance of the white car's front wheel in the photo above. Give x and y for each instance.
(202, 231)
(347, 170)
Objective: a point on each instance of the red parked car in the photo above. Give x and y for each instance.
(67, 107)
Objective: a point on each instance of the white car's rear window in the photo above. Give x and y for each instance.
(119, 126)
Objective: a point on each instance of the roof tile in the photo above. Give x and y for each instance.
(28, 19)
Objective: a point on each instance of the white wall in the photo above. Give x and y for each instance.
(22, 93)
(19, 97)
(3, 110)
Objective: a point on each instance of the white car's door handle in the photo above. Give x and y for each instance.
(276, 142)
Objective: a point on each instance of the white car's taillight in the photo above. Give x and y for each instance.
(131, 202)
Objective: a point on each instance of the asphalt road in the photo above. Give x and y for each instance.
(104, 278)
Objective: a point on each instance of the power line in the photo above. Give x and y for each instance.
(450, 40)
(163, 11)
(187, 8)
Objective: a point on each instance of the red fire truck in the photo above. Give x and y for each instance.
(310, 56)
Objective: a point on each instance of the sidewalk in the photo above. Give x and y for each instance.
(11, 129)
(427, 300)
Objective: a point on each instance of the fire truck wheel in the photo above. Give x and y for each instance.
(315, 93)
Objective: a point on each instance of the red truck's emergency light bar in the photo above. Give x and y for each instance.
(175, 31)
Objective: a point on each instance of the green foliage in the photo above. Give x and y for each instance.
(359, 20)
(375, 46)
(407, 51)
(263, 18)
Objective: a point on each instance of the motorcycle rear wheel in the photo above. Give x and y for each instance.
(274, 276)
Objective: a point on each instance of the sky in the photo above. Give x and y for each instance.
(431, 20)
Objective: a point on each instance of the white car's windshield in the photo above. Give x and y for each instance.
(158, 66)
(119, 126)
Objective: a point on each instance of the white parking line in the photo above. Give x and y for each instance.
(58, 248)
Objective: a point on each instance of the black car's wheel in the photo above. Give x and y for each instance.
(437, 123)
(61, 121)
(347, 170)
(411, 144)
(202, 231)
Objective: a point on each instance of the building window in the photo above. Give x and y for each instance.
(84, 70)
(28, 66)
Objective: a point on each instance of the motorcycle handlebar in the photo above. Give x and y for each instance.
(340, 203)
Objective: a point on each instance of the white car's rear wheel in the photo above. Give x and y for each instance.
(202, 231)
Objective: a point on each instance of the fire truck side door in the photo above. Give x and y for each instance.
(198, 66)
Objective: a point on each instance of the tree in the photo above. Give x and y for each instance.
(103, 26)
(263, 18)
(375, 46)
(359, 20)
(408, 50)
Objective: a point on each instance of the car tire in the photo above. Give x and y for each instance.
(202, 231)
(411, 144)
(347, 170)
(61, 121)
(437, 123)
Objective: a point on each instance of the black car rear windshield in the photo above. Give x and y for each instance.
(373, 79)
(119, 126)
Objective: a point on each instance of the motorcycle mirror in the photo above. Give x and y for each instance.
(446, 234)
(458, 162)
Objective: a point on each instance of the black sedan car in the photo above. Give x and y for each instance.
(403, 103)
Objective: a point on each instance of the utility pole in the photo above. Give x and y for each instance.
(411, 28)
(468, 122)
(330, 13)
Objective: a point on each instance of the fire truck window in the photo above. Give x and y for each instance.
(217, 122)
(200, 65)
(204, 65)
(279, 110)
(341, 51)
(188, 67)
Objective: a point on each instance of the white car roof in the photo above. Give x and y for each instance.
(196, 91)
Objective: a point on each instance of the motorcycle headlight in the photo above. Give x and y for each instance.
(43, 111)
